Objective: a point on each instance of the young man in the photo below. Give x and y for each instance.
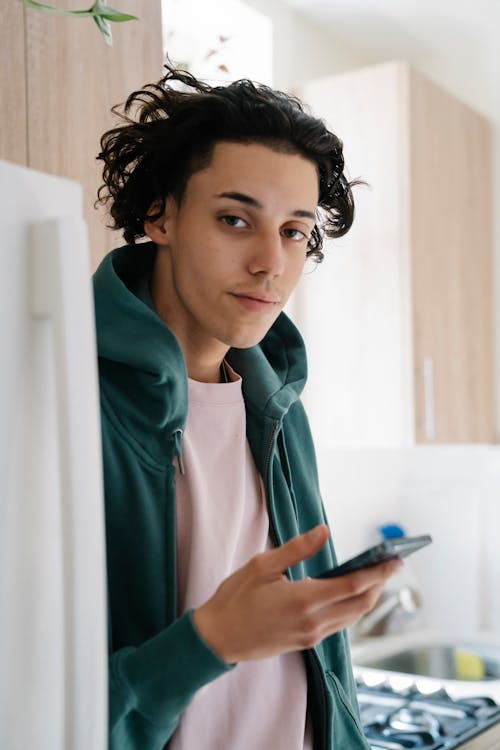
(220, 635)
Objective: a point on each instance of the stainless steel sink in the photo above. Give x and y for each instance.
(466, 662)
(463, 665)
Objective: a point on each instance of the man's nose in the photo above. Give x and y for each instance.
(268, 254)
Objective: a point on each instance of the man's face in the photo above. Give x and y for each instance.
(231, 254)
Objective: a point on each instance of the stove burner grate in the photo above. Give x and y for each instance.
(409, 719)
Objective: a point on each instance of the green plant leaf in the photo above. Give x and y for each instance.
(115, 15)
(100, 8)
(105, 28)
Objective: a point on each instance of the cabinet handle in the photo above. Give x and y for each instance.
(428, 374)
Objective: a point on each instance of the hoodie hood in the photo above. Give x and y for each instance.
(142, 367)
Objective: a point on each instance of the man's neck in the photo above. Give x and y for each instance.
(204, 356)
(212, 374)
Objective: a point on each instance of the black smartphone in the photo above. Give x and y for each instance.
(387, 550)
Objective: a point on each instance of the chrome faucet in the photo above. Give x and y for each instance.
(376, 622)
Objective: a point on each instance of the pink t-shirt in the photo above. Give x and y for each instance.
(222, 522)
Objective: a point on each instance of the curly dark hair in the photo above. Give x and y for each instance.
(169, 132)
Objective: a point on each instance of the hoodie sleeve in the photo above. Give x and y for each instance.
(152, 684)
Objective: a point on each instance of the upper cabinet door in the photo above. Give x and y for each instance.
(451, 241)
(379, 377)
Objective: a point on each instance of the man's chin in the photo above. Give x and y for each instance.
(244, 336)
(246, 341)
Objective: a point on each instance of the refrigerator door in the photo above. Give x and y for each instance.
(53, 676)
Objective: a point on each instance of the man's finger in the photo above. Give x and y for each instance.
(295, 550)
(356, 583)
(353, 584)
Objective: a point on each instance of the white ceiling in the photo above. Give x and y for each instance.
(458, 39)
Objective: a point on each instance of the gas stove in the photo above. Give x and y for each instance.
(396, 719)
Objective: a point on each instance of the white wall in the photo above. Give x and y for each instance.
(303, 50)
(450, 492)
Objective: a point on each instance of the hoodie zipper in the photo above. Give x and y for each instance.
(267, 461)
(322, 690)
(314, 657)
(178, 434)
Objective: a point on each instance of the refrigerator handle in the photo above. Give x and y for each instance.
(61, 290)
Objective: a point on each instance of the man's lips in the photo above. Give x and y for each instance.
(258, 298)
(257, 302)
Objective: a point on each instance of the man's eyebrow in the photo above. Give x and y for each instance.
(243, 198)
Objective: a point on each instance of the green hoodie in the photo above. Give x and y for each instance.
(157, 659)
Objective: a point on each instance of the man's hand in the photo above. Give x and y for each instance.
(257, 612)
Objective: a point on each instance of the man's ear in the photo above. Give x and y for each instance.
(158, 230)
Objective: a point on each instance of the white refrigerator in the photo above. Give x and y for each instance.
(53, 663)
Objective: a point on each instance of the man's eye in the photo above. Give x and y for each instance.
(232, 221)
(295, 234)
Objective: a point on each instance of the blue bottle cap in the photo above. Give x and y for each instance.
(391, 531)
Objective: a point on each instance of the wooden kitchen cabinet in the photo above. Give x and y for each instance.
(398, 318)
(59, 82)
